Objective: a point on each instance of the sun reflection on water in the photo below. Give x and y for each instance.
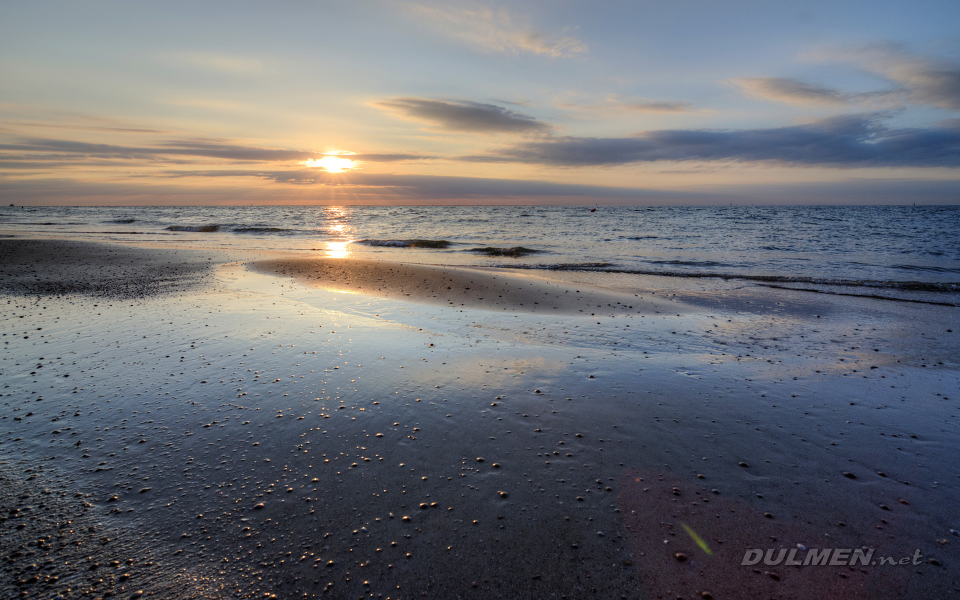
(337, 224)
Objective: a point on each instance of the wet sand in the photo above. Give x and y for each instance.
(486, 289)
(259, 435)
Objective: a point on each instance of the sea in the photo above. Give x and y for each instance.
(908, 253)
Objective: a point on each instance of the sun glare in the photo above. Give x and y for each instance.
(337, 249)
(334, 162)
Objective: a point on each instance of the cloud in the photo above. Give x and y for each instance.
(614, 105)
(469, 117)
(792, 91)
(218, 62)
(429, 187)
(847, 141)
(914, 79)
(496, 31)
(924, 80)
(426, 190)
(197, 147)
(25, 123)
(656, 106)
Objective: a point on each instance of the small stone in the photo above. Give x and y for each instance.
(706, 595)
(627, 562)
(496, 465)
(405, 518)
(144, 490)
(849, 475)
(258, 506)
(768, 515)
(743, 464)
(901, 501)
(934, 562)
(700, 476)
(503, 494)
(479, 459)
(774, 576)
(680, 556)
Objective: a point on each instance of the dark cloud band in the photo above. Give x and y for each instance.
(471, 117)
(198, 148)
(849, 141)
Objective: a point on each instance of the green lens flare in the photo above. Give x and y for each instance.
(699, 540)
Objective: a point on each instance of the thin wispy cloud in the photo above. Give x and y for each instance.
(914, 80)
(224, 63)
(54, 125)
(847, 141)
(210, 104)
(39, 150)
(616, 105)
(419, 186)
(497, 31)
(923, 79)
(464, 116)
(792, 91)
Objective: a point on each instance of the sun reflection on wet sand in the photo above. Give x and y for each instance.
(337, 249)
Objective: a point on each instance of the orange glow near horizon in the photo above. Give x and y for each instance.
(334, 162)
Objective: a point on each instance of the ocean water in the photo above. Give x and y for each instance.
(907, 252)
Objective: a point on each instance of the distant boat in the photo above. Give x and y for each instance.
(591, 210)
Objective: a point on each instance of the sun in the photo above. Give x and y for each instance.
(334, 162)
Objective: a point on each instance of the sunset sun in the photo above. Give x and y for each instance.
(334, 162)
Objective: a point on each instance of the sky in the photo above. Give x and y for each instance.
(550, 102)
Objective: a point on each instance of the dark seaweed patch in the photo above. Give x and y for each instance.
(415, 243)
(516, 251)
(261, 230)
(195, 228)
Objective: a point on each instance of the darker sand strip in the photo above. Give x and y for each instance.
(58, 268)
(462, 287)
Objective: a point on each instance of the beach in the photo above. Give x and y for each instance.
(239, 423)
